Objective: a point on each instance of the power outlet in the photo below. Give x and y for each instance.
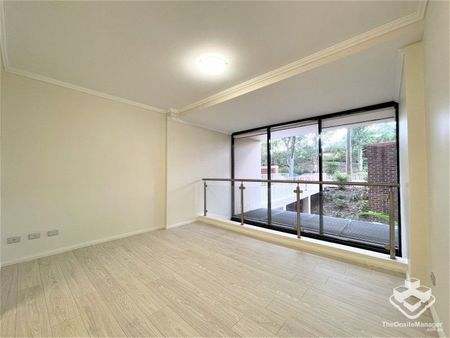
(433, 278)
(11, 240)
(51, 233)
(34, 235)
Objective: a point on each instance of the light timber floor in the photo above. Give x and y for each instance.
(196, 280)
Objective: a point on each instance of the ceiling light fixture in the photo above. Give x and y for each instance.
(212, 64)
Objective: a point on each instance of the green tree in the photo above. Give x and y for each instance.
(289, 143)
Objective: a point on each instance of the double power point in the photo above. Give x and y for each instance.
(31, 236)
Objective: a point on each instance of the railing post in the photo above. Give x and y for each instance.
(242, 188)
(205, 211)
(297, 191)
(391, 199)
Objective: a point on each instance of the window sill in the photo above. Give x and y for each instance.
(337, 251)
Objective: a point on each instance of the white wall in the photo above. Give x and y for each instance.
(94, 169)
(436, 43)
(404, 168)
(417, 186)
(1, 96)
(194, 153)
(87, 166)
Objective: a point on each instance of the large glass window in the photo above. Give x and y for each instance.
(358, 147)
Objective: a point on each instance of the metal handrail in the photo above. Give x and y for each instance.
(361, 184)
(297, 191)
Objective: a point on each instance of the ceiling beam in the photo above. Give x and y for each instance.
(347, 47)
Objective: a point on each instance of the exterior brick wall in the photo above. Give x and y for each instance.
(382, 168)
(273, 169)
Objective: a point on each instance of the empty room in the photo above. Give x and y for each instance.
(224, 168)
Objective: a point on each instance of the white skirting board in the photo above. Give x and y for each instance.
(349, 254)
(436, 319)
(170, 226)
(76, 246)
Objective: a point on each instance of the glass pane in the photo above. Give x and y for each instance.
(255, 202)
(360, 152)
(250, 155)
(218, 201)
(284, 207)
(347, 214)
(295, 152)
(359, 149)
(250, 162)
(295, 156)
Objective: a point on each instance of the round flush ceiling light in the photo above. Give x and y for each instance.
(212, 64)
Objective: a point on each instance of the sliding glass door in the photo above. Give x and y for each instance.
(357, 149)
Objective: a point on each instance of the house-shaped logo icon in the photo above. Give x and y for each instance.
(412, 299)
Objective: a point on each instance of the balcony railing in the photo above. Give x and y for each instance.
(301, 190)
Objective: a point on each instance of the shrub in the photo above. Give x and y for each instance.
(331, 167)
(301, 170)
(340, 203)
(354, 197)
(341, 196)
(365, 176)
(363, 205)
(378, 215)
(364, 195)
(342, 178)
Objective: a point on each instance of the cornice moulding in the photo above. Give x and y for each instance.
(3, 35)
(52, 81)
(197, 125)
(399, 75)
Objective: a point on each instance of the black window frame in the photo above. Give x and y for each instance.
(318, 119)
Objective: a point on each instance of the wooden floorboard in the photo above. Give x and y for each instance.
(196, 280)
(8, 300)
